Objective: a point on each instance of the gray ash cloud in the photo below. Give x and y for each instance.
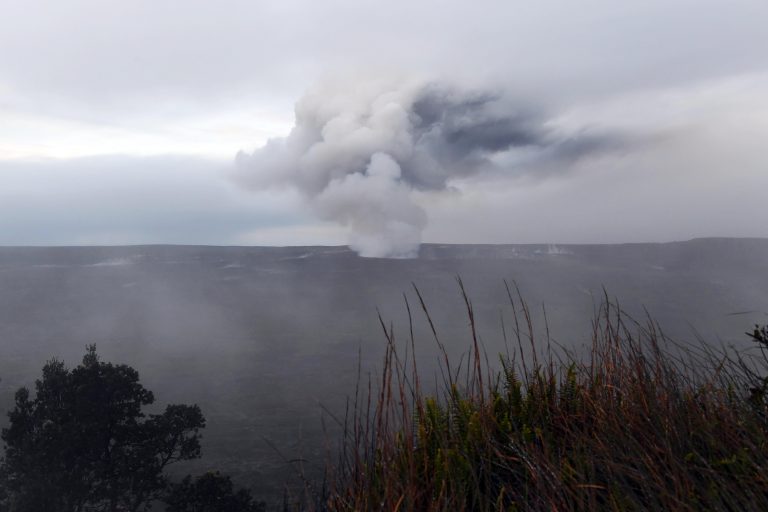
(358, 153)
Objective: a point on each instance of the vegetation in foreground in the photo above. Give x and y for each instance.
(638, 423)
(635, 422)
(84, 443)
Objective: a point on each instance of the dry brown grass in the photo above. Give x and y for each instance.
(637, 423)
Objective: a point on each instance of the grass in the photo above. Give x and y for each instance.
(633, 422)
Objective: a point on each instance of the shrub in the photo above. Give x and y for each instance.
(210, 492)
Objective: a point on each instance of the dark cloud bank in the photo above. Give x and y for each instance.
(359, 154)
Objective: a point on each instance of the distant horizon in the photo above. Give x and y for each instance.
(340, 246)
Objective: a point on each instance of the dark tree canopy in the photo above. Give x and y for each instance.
(84, 444)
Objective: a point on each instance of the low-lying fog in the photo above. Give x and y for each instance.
(261, 337)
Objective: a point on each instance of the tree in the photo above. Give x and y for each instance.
(84, 444)
(211, 492)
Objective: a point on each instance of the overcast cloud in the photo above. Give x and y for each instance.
(541, 121)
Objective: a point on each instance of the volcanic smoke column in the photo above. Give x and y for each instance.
(357, 153)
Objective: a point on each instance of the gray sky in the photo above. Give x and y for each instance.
(554, 121)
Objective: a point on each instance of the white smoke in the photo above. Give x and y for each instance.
(358, 153)
(377, 207)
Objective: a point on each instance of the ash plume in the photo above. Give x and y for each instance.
(358, 153)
